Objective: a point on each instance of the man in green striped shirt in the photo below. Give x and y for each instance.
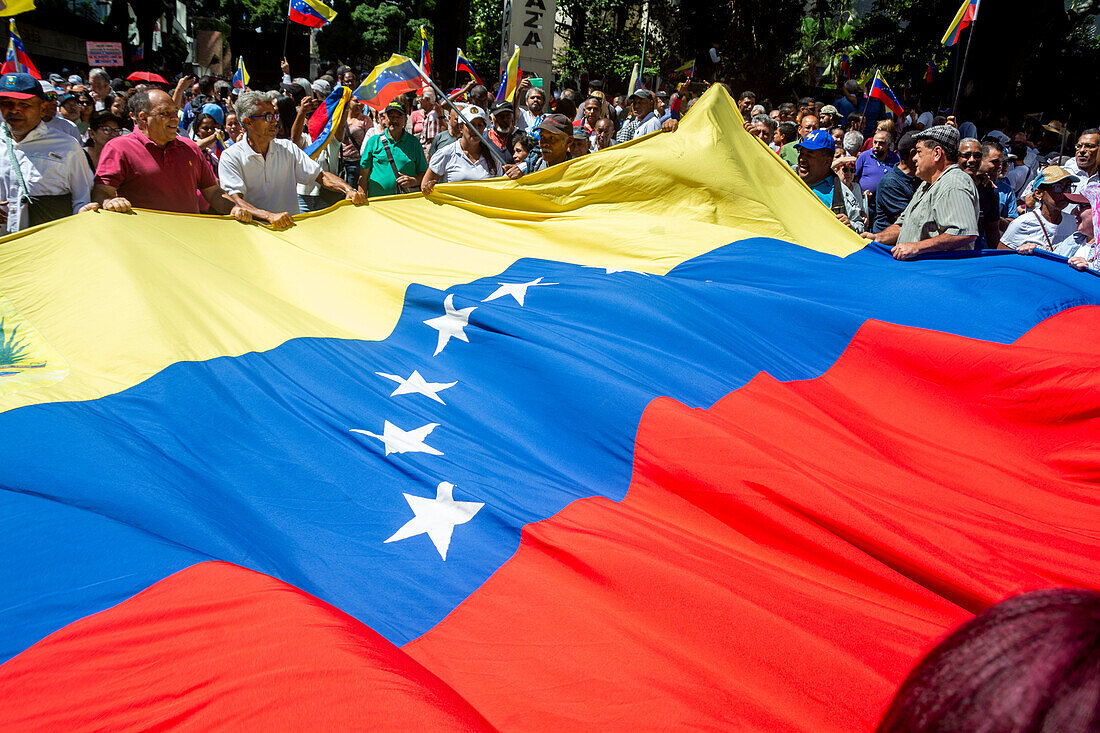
(943, 214)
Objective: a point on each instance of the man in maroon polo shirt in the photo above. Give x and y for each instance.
(154, 168)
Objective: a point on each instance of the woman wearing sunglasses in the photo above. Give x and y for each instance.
(1046, 225)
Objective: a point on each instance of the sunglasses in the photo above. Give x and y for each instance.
(1057, 188)
(970, 155)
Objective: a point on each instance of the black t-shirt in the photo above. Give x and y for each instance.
(989, 208)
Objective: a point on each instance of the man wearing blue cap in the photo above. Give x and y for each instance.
(43, 173)
(815, 159)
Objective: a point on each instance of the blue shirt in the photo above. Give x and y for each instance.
(845, 108)
(1006, 197)
(870, 170)
(824, 190)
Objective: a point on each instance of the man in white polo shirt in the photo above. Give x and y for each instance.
(260, 175)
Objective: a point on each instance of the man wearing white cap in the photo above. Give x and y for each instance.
(54, 121)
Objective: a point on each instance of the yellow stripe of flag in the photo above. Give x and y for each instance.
(111, 299)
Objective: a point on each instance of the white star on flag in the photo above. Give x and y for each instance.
(416, 384)
(450, 323)
(613, 270)
(516, 290)
(437, 517)
(397, 440)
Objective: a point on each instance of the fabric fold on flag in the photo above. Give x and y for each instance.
(15, 7)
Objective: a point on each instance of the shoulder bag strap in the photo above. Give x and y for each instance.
(1042, 226)
(393, 165)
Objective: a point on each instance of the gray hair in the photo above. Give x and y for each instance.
(772, 124)
(99, 74)
(852, 86)
(428, 94)
(249, 103)
(969, 140)
(853, 141)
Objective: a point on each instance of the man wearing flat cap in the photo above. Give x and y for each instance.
(943, 214)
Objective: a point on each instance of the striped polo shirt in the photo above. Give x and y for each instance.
(948, 206)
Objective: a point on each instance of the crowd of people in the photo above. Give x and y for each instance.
(918, 182)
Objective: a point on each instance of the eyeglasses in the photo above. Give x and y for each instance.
(110, 131)
(269, 117)
(1058, 187)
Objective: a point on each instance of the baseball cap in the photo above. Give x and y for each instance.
(501, 106)
(75, 79)
(322, 87)
(945, 136)
(20, 86)
(579, 133)
(557, 125)
(642, 94)
(472, 111)
(48, 90)
(395, 107)
(817, 140)
(56, 79)
(829, 110)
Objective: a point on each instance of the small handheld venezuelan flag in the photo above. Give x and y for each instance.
(325, 121)
(425, 54)
(845, 66)
(929, 73)
(509, 80)
(463, 64)
(240, 76)
(881, 90)
(967, 14)
(17, 60)
(312, 13)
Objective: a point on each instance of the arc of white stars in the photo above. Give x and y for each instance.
(397, 440)
(516, 290)
(451, 323)
(416, 384)
(437, 517)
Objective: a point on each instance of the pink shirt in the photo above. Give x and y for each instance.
(152, 177)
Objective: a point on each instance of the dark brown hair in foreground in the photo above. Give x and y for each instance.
(1030, 663)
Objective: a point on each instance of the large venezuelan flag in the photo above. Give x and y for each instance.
(646, 440)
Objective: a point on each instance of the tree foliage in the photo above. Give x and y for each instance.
(370, 31)
(1008, 70)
